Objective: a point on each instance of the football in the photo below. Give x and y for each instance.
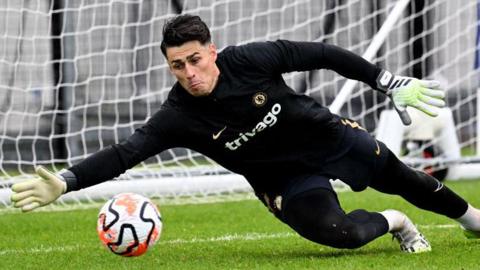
(129, 224)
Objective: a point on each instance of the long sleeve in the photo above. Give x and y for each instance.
(284, 56)
(114, 160)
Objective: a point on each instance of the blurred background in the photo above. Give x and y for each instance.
(76, 76)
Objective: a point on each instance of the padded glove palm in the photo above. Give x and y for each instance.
(32, 194)
(405, 91)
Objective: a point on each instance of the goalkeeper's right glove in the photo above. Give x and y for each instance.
(32, 194)
(406, 91)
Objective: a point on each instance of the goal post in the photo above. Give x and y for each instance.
(372, 50)
(77, 76)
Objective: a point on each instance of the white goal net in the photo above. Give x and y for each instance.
(76, 76)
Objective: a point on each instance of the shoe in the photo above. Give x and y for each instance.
(471, 234)
(410, 239)
(418, 244)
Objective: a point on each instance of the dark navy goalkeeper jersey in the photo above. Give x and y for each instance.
(252, 123)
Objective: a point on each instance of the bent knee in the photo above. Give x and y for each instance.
(349, 237)
(355, 238)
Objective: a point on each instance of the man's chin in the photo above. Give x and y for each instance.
(198, 92)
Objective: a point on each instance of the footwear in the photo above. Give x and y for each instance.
(418, 244)
(410, 239)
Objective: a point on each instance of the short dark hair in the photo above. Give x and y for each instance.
(182, 29)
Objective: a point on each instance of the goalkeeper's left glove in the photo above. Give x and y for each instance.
(406, 91)
(32, 194)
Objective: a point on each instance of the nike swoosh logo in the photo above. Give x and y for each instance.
(440, 186)
(217, 135)
(377, 151)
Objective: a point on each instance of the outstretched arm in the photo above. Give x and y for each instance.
(101, 166)
(285, 56)
(114, 160)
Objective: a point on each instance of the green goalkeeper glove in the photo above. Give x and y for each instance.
(32, 194)
(405, 91)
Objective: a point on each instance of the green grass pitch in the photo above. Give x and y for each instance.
(232, 235)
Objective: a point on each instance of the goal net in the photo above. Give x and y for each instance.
(76, 76)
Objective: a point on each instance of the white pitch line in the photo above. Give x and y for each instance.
(438, 226)
(230, 237)
(224, 238)
(41, 249)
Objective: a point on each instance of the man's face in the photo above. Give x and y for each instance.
(193, 64)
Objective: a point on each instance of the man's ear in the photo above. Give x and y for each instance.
(212, 49)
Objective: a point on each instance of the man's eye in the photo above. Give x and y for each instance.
(194, 60)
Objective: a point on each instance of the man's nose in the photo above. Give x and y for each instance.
(189, 72)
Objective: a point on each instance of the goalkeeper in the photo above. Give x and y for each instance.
(235, 107)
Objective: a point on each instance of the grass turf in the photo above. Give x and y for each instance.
(232, 235)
